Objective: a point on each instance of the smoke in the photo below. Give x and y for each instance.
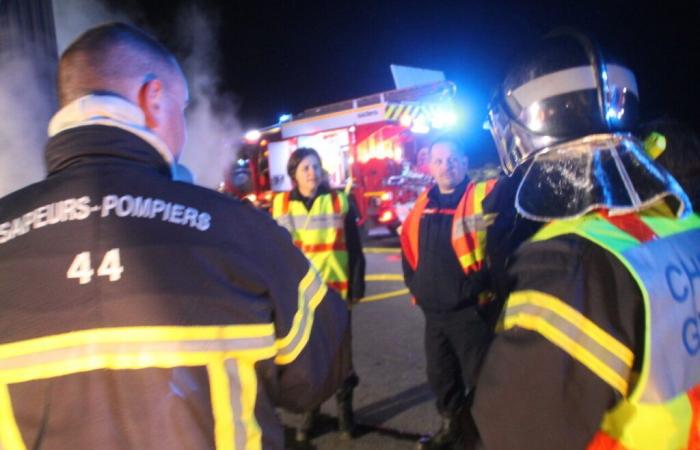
(213, 127)
(72, 17)
(214, 131)
(27, 98)
(26, 103)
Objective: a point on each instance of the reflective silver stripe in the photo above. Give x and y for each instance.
(236, 400)
(310, 222)
(471, 224)
(316, 287)
(286, 222)
(316, 222)
(576, 334)
(131, 348)
(571, 80)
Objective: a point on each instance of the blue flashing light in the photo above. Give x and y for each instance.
(444, 118)
(285, 118)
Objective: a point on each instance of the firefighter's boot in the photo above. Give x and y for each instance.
(346, 417)
(448, 437)
(304, 428)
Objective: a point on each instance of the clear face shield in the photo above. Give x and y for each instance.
(603, 171)
(520, 131)
(514, 142)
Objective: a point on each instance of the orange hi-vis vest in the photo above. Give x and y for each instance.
(319, 233)
(468, 227)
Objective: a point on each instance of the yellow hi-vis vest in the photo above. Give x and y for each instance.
(662, 410)
(319, 233)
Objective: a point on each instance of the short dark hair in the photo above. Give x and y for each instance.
(297, 156)
(105, 55)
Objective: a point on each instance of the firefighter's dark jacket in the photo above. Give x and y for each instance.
(533, 395)
(142, 313)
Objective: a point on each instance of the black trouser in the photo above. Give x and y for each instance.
(454, 346)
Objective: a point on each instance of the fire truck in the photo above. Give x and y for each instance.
(375, 148)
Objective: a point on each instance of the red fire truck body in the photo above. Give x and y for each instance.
(374, 147)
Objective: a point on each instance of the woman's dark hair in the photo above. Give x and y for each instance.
(296, 157)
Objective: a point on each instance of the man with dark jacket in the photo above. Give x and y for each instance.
(139, 312)
(442, 243)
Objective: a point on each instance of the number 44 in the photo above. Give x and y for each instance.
(81, 267)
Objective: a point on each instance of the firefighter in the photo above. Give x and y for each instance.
(599, 339)
(141, 312)
(323, 224)
(442, 244)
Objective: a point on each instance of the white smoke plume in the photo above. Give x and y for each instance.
(213, 126)
(72, 17)
(25, 109)
(214, 131)
(26, 95)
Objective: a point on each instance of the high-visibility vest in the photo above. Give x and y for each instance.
(319, 233)
(662, 410)
(468, 227)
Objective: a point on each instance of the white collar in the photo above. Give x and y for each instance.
(109, 110)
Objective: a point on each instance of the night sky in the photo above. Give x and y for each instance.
(285, 56)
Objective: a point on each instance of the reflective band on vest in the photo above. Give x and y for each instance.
(574, 333)
(468, 227)
(662, 411)
(319, 233)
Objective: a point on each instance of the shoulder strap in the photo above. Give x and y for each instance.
(285, 203)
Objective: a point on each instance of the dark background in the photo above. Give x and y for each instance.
(285, 56)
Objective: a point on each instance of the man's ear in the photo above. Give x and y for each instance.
(150, 101)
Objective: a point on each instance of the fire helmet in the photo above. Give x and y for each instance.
(564, 114)
(562, 91)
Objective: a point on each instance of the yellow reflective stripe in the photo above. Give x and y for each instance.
(311, 291)
(381, 250)
(132, 348)
(234, 388)
(135, 335)
(384, 295)
(249, 387)
(470, 258)
(10, 436)
(384, 277)
(216, 347)
(572, 332)
(576, 318)
(221, 406)
(479, 195)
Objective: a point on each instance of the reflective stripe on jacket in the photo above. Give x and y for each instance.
(468, 228)
(660, 407)
(319, 233)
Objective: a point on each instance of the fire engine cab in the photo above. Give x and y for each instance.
(374, 147)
